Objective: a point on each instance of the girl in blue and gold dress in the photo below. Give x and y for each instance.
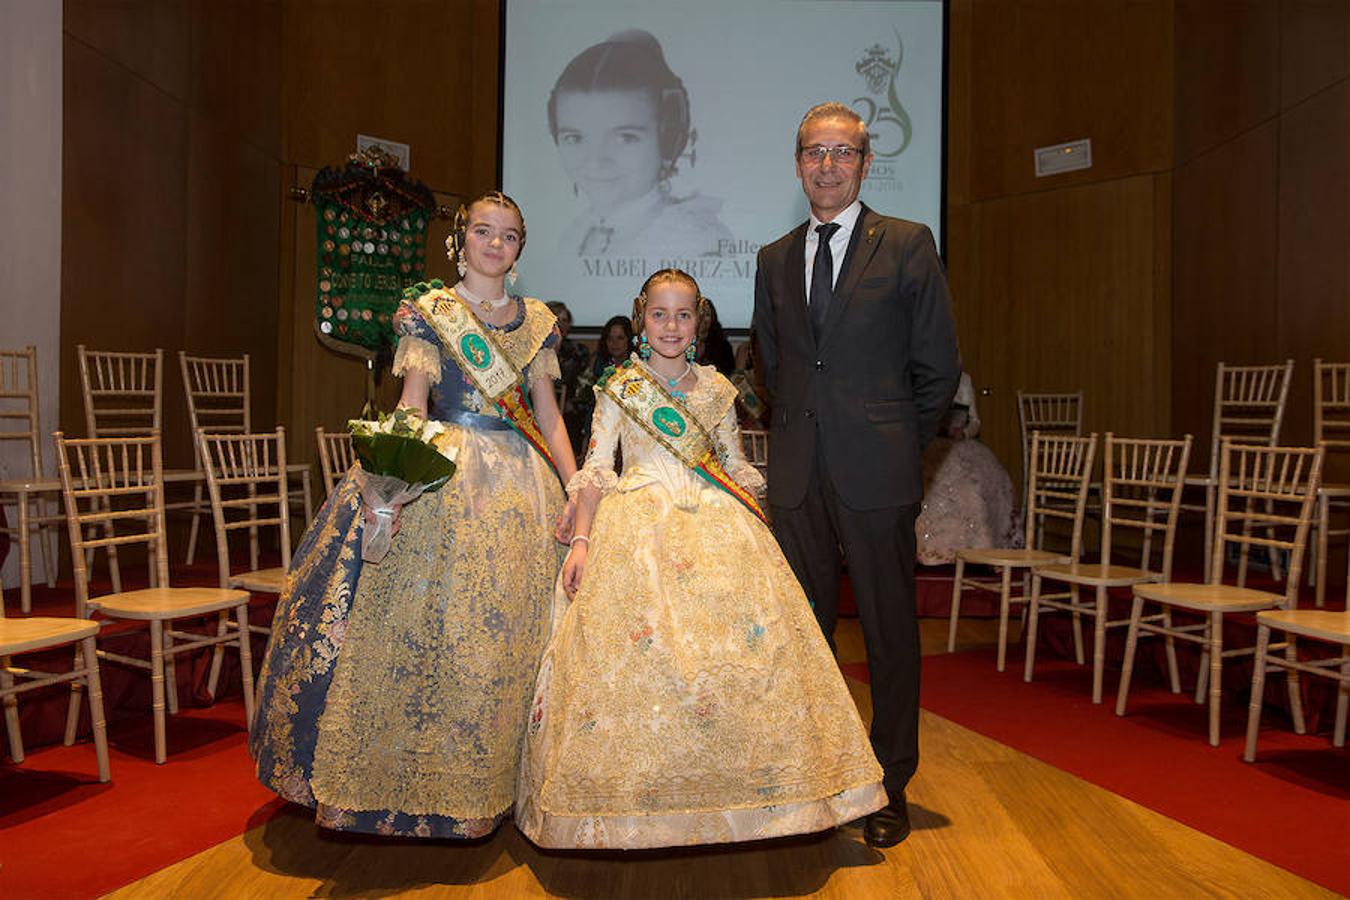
(393, 697)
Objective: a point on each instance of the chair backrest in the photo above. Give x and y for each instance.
(1331, 407)
(336, 455)
(246, 480)
(123, 392)
(1048, 414)
(1249, 405)
(107, 483)
(1266, 497)
(1142, 483)
(1057, 485)
(755, 445)
(19, 402)
(217, 394)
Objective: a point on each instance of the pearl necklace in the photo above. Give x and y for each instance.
(671, 382)
(486, 306)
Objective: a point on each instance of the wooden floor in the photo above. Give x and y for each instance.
(989, 822)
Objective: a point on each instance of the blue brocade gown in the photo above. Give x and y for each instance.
(393, 696)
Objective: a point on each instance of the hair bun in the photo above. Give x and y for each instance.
(637, 37)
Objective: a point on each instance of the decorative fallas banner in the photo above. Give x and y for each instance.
(371, 244)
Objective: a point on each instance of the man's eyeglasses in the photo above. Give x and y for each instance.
(844, 155)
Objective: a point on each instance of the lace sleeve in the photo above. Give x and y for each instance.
(598, 472)
(545, 366)
(729, 451)
(416, 355)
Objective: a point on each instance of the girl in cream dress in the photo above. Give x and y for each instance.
(687, 695)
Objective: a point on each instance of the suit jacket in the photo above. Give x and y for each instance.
(871, 392)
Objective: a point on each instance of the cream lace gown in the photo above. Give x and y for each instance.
(687, 696)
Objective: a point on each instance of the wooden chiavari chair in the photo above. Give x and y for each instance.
(1141, 492)
(1268, 489)
(36, 633)
(119, 481)
(34, 514)
(755, 445)
(123, 395)
(1320, 625)
(1331, 429)
(1249, 404)
(246, 481)
(123, 392)
(1057, 486)
(219, 399)
(336, 456)
(1049, 414)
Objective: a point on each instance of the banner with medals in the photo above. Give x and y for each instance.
(670, 423)
(372, 224)
(481, 358)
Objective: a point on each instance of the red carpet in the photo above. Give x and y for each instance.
(62, 834)
(1158, 755)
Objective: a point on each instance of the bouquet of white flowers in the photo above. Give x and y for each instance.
(402, 457)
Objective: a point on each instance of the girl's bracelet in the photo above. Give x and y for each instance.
(578, 537)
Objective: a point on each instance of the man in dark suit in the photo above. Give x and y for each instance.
(855, 334)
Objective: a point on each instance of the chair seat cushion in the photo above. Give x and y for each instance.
(41, 632)
(1209, 597)
(1095, 574)
(1012, 557)
(1324, 624)
(167, 603)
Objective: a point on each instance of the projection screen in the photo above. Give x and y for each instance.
(643, 135)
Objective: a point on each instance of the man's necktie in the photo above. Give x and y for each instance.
(822, 276)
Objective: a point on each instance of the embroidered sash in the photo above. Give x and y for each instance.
(670, 423)
(481, 357)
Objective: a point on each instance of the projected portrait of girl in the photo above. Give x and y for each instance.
(620, 119)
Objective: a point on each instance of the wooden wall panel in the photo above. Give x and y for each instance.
(233, 236)
(1044, 73)
(1227, 70)
(1262, 194)
(1313, 291)
(171, 234)
(421, 72)
(236, 69)
(151, 38)
(1314, 45)
(123, 216)
(1224, 253)
(1065, 299)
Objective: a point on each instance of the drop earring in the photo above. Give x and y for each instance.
(461, 266)
(691, 352)
(644, 348)
(512, 275)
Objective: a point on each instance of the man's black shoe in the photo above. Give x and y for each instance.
(889, 825)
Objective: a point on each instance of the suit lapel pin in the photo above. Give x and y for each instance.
(871, 231)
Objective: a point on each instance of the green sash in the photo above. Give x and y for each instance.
(670, 423)
(481, 357)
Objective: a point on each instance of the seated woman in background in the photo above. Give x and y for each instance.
(573, 358)
(968, 498)
(713, 347)
(616, 341)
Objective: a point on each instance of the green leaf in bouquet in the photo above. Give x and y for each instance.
(403, 457)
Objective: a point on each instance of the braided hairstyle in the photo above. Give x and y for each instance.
(703, 309)
(454, 243)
